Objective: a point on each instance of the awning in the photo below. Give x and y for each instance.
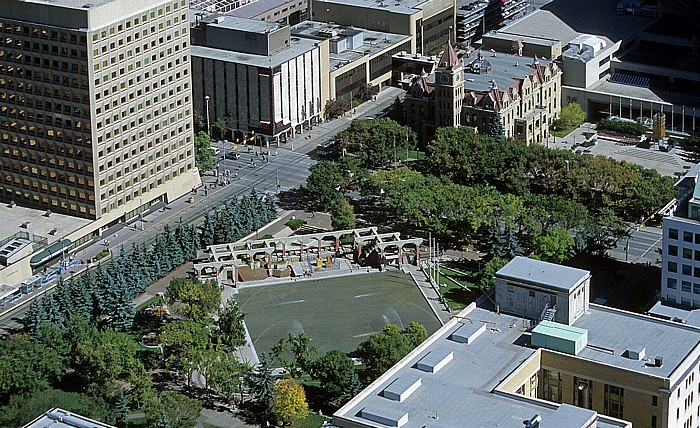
(49, 252)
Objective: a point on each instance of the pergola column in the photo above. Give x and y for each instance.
(337, 243)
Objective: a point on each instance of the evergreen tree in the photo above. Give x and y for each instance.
(262, 382)
(496, 128)
(121, 410)
(208, 231)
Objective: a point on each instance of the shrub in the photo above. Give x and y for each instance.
(294, 223)
(623, 127)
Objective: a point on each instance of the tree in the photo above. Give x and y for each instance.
(496, 130)
(231, 329)
(487, 274)
(23, 408)
(105, 357)
(415, 333)
(366, 92)
(178, 410)
(289, 401)
(300, 348)
(375, 142)
(342, 215)
(226, 377)
(26, 366)
(571, 116)
(334, 109)
(382, 350)
(325, 184)
(398, 111)
(335, 371)
(556, 245)
(203, 155)
(195, 299)
(262, 382)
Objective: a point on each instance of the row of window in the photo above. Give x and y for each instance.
(686, 286)
(138, 192)
(687, 253)
(41, 32)
(687, 236)
(140, 20)
(82, 209)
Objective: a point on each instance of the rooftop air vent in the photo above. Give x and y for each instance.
(637, 353)
(88, 5)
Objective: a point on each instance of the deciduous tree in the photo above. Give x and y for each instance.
(289, 401)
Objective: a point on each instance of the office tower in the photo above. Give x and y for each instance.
(96, 115)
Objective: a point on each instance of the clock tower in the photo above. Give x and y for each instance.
(449, 89)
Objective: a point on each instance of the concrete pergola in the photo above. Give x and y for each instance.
(218, 258)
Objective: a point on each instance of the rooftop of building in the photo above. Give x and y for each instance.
(564, 20)
(531, 271)
(373, 43)
(505, 70)
(232, 22)
(74, 4)
(297, 47)
(260, 7)
(407, 7)
(666, 311)
(58, 418)
(464, 376)
(22, 219)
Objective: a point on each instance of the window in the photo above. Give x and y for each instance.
(672, 267)
(688, 270)
(673, 233)
(685, 286)
(532, 293)
(687, 253)
(552, 386)
(672, 283)
(673, 250)
(697, 272)
(614, 401)
(687, 236)
(654, 401)
(653, 421)
(696, 288)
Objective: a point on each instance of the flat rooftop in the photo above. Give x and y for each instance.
(74, 4)
(453, 395)
(618, 331)
(505, 70)
(58, 418)
(259, 7)
(563, 20)
(374, 41)
(297, 47)
(233, 22)
(471, 369)
(530, 271)
(12, 219)
(408, 7)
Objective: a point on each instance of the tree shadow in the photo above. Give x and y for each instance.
(294, 199)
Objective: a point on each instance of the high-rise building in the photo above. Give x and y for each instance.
(96, 114)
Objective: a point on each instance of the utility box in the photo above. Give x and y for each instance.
(559, 337)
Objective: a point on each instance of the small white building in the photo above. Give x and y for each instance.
(544, 291)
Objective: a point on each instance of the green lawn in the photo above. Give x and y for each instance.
(457, 297)
(561, 133)
(313, 420)
(412, 155)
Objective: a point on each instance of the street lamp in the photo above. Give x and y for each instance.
(555, 135)
(206, 102)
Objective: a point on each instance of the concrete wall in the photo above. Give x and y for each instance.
(377, 19)
(585, 74)
(638, 388)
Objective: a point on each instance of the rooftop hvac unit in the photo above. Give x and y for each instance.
(327, 32)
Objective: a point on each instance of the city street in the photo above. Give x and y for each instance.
(643, 246)
(290, 165)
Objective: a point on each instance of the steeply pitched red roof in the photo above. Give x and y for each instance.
(449, 58)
